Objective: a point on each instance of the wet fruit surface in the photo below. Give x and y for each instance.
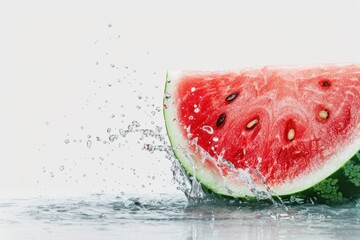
(283, 122)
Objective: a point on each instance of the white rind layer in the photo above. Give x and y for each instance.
(221, 185)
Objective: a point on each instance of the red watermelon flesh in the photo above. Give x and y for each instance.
(295, 125)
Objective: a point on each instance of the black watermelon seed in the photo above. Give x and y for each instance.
(221, 119)
(325, 84)
(231, 97)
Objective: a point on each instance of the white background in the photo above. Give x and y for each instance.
(55, 72)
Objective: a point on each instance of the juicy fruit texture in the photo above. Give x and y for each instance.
(293, 126)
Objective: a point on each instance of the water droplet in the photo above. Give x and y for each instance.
(208, 129)
(66, 141)
(108, 130)
(135, 123)
(112, 65)
(112, 116)
(215, 139)
(149, 147)
(113, 137)
(62, 168)
(153, 112)
(140, 97)
(167, 95)
(109, 25)
(196, 110)
(88, 143)
(158, 129)
(122, 115)
(193, 89)
(122, 132)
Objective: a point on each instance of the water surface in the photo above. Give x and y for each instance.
(164, 216)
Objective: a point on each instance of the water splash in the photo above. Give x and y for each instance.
(187, 184)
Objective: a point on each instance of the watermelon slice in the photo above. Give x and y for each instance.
(285, 131)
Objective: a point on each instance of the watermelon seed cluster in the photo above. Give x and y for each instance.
(221, 119)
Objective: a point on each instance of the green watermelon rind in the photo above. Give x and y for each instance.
(340, 186)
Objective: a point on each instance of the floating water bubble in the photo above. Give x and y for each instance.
(61, 168)
(113, 137)
(112, 65)
(158, 129)
(149, 147)
(196, 110)
(122, 132)
(66, 141)
(153, 113)
(88, 143)
(167, 95)
(215, 139)
(135, 124)
(108, 130)
(193, 89)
